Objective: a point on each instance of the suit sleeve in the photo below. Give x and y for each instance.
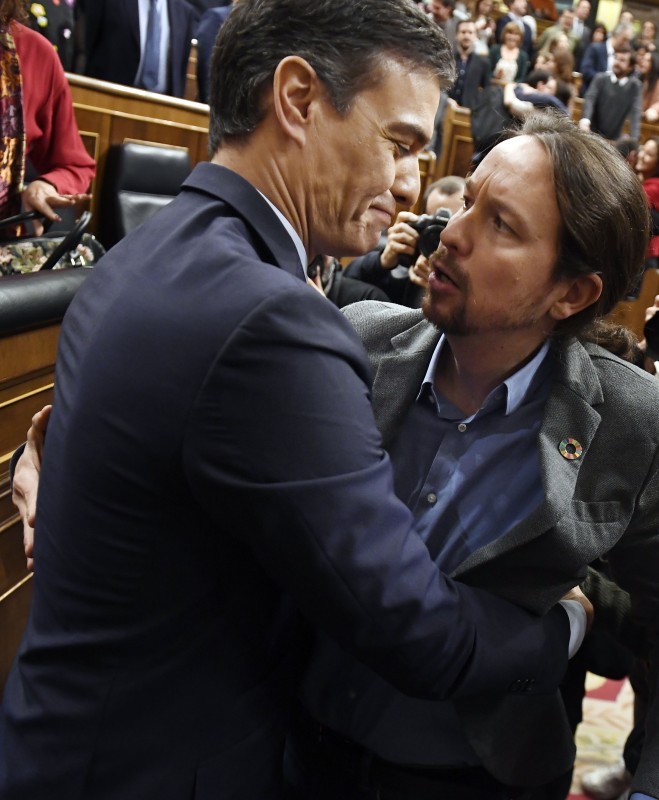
(589, 100)
(589, 64)
(282, 438)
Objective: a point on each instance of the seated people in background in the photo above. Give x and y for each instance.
(502, 396)
(647, 169)
(517, 14)
(648, 68)
(136, 44)
(612, 98)
(212, 474)
(581, 33)
(38, 125)
(206, 34)
(485, 26)
(599, 55)
(472, 71)
(647, 38)
(441, 12)
(628, 149)
(539, 91)
(509, 62)
(382, 267)
(598, 35)
(564, 25)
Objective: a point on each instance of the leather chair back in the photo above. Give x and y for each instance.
(139, 180)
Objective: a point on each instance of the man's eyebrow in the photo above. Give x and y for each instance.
(409, 130)
(502, 206)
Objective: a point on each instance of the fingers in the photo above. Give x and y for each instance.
(420, 272)
(37, 432)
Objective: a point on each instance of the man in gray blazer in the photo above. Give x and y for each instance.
(524, 450)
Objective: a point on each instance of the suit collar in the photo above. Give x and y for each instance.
(248, 203)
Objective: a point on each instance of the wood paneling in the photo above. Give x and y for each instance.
(109, 114)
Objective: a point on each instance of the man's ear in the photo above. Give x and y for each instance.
(580, 293)
(295, 88)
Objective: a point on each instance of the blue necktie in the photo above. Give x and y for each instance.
(151, 66)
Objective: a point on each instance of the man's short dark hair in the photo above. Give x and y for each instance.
(608, 237)
(537, 76)
(449, 184)
(466, 21)
(345, 41)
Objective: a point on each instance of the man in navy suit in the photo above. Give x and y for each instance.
(213, 475)
(516, 13)
(113, 37)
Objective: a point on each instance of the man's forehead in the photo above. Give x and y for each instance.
(521, 155)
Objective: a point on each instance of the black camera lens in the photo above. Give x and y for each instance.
(429, 228)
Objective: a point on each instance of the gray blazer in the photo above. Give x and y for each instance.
(607, 501)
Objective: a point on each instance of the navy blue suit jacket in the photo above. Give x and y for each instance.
(212, 468)
(207, 30)
(112, 41)
(594, 60)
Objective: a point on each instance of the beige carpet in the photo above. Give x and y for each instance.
(607, 719)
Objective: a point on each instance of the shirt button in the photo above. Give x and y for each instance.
(432, 498)
(462, 427)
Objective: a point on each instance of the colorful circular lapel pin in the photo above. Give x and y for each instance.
(570, 449)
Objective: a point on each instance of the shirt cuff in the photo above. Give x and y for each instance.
(578, 623)
(639, 796)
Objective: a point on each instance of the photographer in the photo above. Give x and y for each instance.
(388, 266)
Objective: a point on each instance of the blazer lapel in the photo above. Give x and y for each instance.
(398, 377)
(234, 190)
(569, 414)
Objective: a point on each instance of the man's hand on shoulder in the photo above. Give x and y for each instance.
(25, 483)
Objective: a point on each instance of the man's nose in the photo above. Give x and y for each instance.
(407, 182)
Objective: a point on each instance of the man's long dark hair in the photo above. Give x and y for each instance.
(604, 213)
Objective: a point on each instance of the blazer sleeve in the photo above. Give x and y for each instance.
(318, 512)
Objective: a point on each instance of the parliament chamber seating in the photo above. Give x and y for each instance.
(140, 179)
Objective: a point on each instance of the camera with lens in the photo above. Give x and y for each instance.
(429, 227)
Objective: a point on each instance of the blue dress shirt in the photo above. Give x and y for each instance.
(468, 480)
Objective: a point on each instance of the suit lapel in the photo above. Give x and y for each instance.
(229, 187)
(399, 374)
(569, 414)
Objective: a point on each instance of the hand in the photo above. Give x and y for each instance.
(651, 115)
(580, 597)
(43, 197)
(420, 272)
(317, 283)
(401, 238)
(26, 480)
(652, 310)
(584, 124)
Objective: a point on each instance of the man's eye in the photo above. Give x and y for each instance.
(402, 150)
